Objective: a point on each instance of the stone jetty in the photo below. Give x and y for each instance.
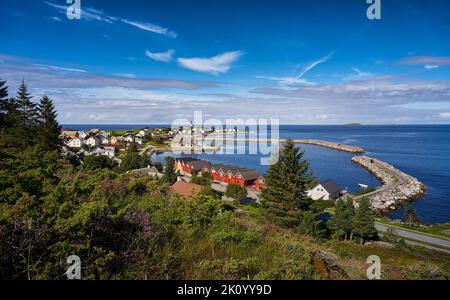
(335, 146)
(397, 187)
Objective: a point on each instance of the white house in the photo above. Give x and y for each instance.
(104, 141)
(82, 134)
(327, 190)
(92, 141)
(75, 143)
(105, 151)
(139, 140)
(128, 138)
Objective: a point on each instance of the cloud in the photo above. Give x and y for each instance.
(92, 14)
(316, 63)
(161, 56)
(444, 115)
(298, 80)
(126, 75)
(287, 81)
(52, 77)
(61, 68)
(428, 62)
(152, 28)
(358, 75)
(430, 67)
(215, 65)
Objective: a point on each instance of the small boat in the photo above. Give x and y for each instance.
(363, 186)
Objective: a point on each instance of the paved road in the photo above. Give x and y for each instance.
(418, 237)
(400, 180)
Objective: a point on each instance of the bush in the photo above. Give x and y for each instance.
(236, 191)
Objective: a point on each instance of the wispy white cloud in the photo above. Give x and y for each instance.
(315, 64)
(126, 75)
(152, 28)
(298, 80)
(215, 65)
(161, 56)
(444, 115)
(57, 68)
(287, 81)
(358, 75)
(429, 62)
(93, 14)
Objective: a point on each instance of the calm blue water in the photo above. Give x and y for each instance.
(422, 151)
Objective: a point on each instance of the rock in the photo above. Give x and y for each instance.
(397, 187)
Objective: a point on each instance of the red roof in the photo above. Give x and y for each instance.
(185, 189)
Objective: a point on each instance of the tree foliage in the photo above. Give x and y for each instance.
(364, 221)
(285, 198)
(236, 192)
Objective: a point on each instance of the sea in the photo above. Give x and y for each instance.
(422, 151)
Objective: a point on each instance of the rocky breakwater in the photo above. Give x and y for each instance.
(397, 187)
(336, 146)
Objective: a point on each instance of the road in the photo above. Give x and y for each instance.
(400, 180)
(417, 237)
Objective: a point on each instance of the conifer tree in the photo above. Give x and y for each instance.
(410, 216)
(49, 129)
(170, 176)
(285, 197)
(25, 125)
(337, 222)
(349, 214)
(3, 103)
(364, 221)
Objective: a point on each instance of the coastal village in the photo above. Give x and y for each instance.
(113, 144)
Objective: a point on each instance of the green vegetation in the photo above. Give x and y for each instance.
(236, 192)
(410, 216)
(127, 227)
(204, 180)
(364, 191)
(170, 176)
(132, 160)
(284, 200)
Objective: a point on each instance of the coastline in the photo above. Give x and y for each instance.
(397, 187)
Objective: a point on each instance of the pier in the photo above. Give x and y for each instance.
(397, 187)
(335, 146)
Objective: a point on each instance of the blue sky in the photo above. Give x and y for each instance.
(303, 62)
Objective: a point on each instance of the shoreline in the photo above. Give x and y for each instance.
(397, 188)
(326, 144)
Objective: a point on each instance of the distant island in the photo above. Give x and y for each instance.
(353, 124)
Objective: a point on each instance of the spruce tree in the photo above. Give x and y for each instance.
(3, 103)
(285, 197)
(170, 176)
(410, 216)
(337, 222)
(49, 129)
(349, 214)
(364, 221)
(25, 125)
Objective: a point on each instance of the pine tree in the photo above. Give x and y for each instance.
(170, 176)
(337, 222)
(410, 216)
(364, 221)
(349, 214)
(285, 197)
(49, 129)
(27, 119)
(3, 103)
